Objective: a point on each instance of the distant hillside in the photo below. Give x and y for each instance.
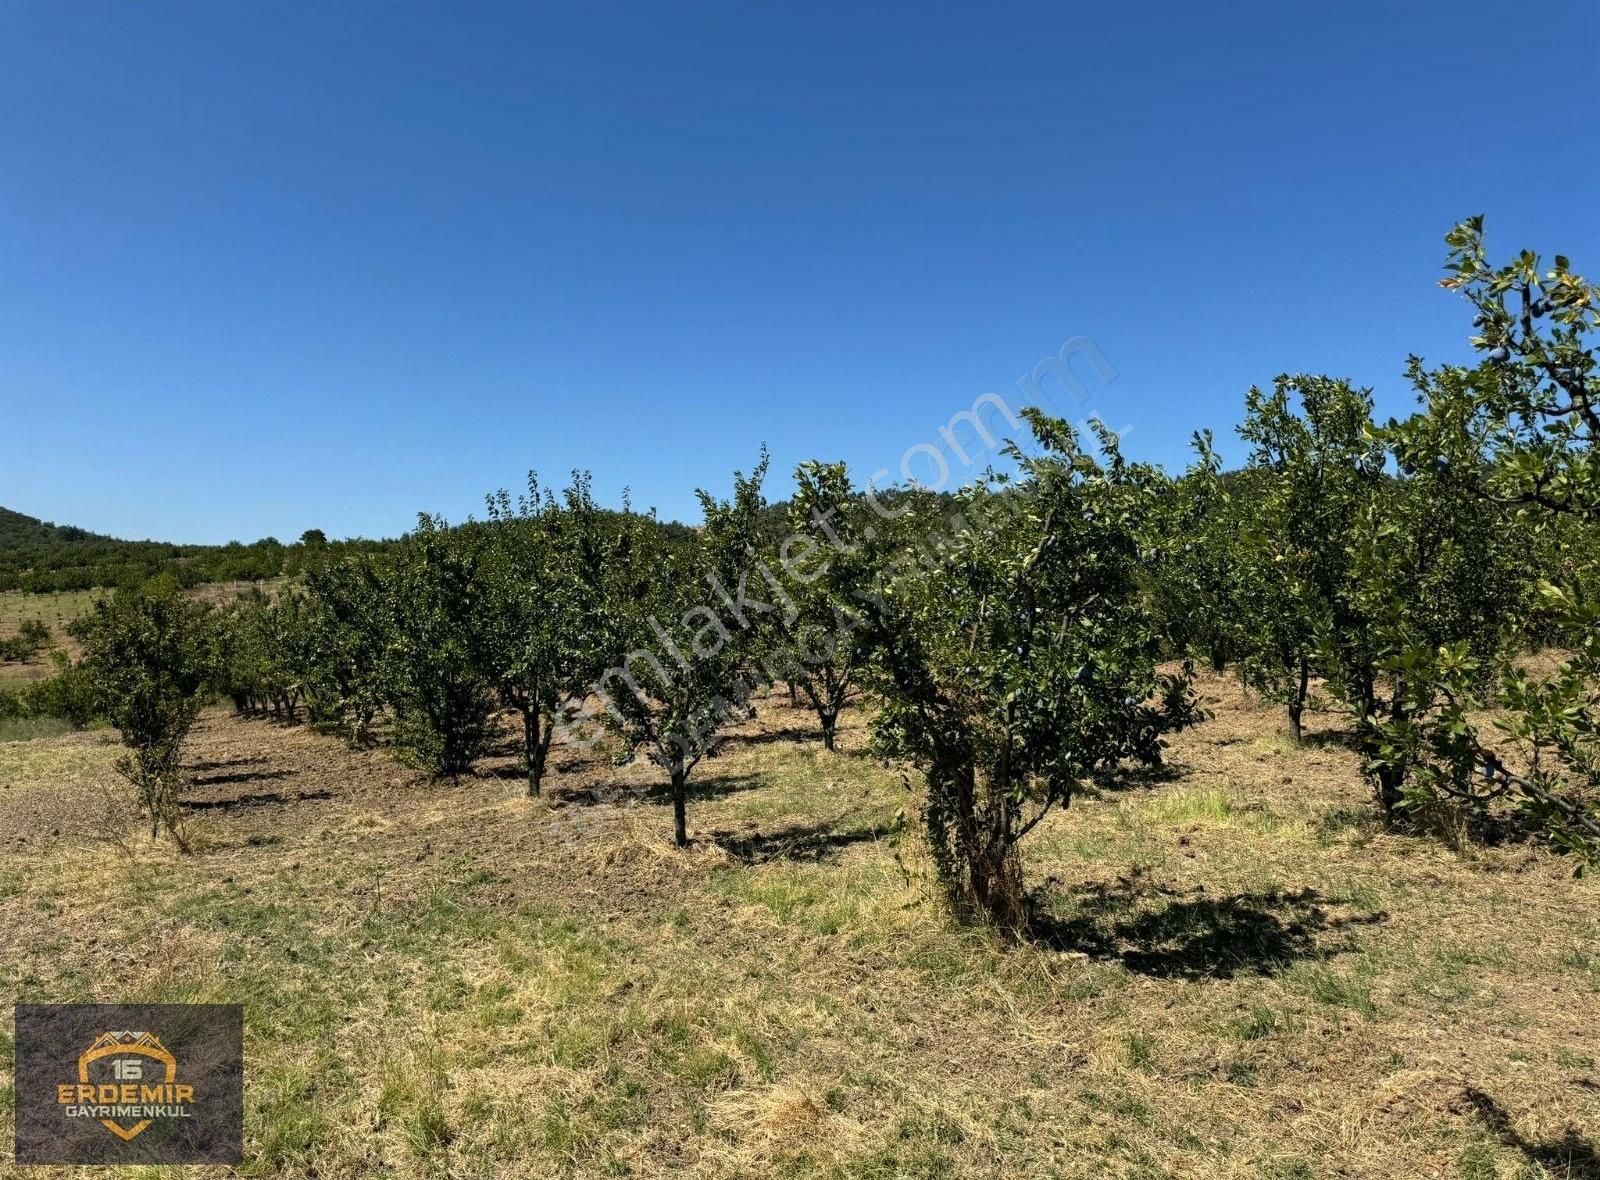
(38, 556)
(20, 532)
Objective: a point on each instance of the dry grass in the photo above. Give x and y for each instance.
(56, 611)
(59, 609)
(1238, 974)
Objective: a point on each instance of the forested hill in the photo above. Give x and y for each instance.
(38, 556)
(21, 532)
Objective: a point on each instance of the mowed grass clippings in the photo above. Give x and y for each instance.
(1236, 973)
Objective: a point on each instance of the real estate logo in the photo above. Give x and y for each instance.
(128, 1095)
(144, 1083)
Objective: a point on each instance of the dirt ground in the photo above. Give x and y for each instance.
(1237, 973)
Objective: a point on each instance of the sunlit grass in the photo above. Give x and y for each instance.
(453, 982)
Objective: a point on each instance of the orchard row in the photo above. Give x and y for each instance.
(1017, 638)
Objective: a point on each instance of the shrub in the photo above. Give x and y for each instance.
(68, 695)
(149, 654)
(32, 638)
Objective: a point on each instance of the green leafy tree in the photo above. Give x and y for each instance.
(149, 653)
(349, 633)
(239, 657)
(1359, 577)
(268, 661)
(541, 630)
(1193, 551)
(1021, 661)
(1314, 470)
(690, 616)
(828, 562)
(1518, 433)
(1433, 588)
(442, 700)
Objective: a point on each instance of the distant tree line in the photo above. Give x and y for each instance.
(42, 558)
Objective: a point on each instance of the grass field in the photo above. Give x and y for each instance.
(55, 611)
(58, 610)
(1239, 976)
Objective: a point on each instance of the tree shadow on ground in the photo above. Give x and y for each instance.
(243, 776)
(710, 787)
(1187, 934)
(767, 737)
(809, 843)
(1572, 1156)
(222, 764)
(1332, 739)
(1139, 778)
(263, 799)
(504, 747)
(621, 794)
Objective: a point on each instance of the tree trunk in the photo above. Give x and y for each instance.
(829, 720)
(794, 700)
(531, 751)
(997, 885)
(1388, 789)
(1390, 778)
(1297, 703)
(680, 818)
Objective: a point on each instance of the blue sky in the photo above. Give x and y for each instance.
(271, 266)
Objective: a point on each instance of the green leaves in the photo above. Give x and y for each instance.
(347, 619)
(540, 632)
(1015, 658)
(1512, 446)
(688, 620)
(150, 654)
(826, 560)
(440, 694)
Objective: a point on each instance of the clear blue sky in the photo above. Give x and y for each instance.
(267, 266)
